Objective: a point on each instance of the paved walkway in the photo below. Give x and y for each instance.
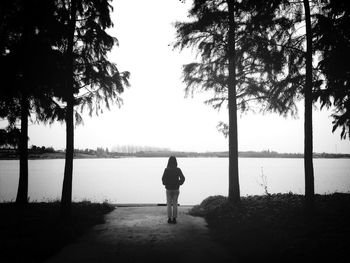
(141, 234)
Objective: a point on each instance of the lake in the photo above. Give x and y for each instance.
(138, 180)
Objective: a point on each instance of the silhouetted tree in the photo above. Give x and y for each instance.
(299, 80)
(308, 99)
(333, 42)
(239, 43)
(91, 79)
(12, 101)
(25, 52)
(331, 39)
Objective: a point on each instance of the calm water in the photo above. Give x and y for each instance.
(138, 180)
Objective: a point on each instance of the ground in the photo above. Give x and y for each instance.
(36, 231)
(270, 228)
(142, 234)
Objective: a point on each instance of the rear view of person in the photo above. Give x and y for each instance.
(172, 179)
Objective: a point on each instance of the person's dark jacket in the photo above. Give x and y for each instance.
(173, 178)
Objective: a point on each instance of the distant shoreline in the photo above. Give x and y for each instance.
(113, 155)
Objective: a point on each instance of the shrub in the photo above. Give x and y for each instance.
(208, 205)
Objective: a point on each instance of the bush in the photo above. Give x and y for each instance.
(208, 205)
(281, 227)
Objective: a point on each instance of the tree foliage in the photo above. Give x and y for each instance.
(97, 81)
(241, 51)
(53, 57)
(268, 58)
(262, 34)
(332, 40)
(9, 137)
(91, 80)
(27, 63)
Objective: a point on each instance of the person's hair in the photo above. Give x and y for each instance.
(172, 163)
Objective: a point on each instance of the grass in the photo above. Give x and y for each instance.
(35, 232)
(280, 227)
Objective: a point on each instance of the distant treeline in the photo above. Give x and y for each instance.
(245, 154)
(137, 148)
(36, 152)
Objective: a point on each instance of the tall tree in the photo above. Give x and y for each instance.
(308, 137)
(233, 190)
(91, 79)
(25, 50)
(14, 99)
(240, 58)
(66, 198)
(300, 81)
(332, 41)
(307, 85)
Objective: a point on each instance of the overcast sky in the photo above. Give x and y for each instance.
(155, 110)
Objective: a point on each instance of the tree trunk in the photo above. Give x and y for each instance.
(308, 163)
(233, 190)
(22, 193)
(68, 168)
(66, 200)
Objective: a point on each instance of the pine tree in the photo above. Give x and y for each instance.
(91, 79)
(25, 55)
(240, 44)
(332, 41)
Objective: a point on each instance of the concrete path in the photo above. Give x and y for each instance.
(141, 234)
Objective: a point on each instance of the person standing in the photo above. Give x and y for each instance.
(172, 179)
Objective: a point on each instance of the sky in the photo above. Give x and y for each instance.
(155, 111)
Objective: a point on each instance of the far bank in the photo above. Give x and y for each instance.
(50, 153)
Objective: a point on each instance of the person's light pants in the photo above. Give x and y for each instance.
(171, 200)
